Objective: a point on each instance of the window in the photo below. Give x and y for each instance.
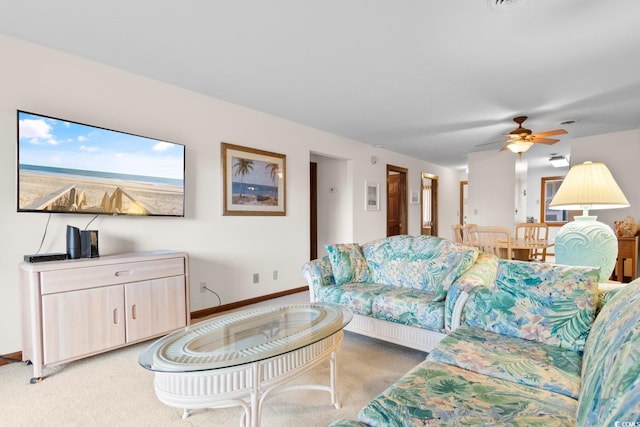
(549, 187)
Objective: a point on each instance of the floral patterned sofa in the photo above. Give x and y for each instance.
(403, 289)
(529, 353)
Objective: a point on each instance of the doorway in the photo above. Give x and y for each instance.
(464, 185)
(330, 203)
(429, 209)
(313, 207)
(396, 200)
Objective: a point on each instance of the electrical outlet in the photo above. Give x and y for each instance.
(203, 285)
(256, 278)
(275, 274)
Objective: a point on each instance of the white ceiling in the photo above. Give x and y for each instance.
(428, 79)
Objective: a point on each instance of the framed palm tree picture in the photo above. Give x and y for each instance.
(253, 181)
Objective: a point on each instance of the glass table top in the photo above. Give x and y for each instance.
(244, 336)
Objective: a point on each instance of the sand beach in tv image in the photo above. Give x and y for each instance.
(138, 198)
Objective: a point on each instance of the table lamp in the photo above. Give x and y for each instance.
(586, 241)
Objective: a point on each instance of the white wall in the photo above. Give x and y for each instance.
(224, 250)
(335, 202)
(341, 214)
(492, 181)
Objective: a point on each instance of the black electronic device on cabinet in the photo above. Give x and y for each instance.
(45, 257)
(89, 243)
(74, 245)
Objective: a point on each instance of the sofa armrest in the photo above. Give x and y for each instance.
(318, 273)
(482, 273)
(456, 312)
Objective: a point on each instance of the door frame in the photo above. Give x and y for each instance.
(434, 203)
(313, 210)
(463, 187)
(403, 172)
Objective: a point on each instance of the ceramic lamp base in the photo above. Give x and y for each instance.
(586, 241)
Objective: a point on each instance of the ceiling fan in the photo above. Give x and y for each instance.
(521, 138)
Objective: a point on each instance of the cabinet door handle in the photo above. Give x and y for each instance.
(124, 273)
(134, 312)
(115, 316)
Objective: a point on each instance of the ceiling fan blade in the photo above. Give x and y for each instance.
(550, 133)
(547, 141)
(488, 143)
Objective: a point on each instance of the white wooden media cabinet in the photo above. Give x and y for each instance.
(77, 308)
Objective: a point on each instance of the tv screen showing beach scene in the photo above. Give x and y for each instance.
(70, 167)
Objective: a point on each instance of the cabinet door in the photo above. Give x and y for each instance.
(79, 323)
(155, 307)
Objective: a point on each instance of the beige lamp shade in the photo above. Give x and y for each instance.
(589, 186)
(586, 241)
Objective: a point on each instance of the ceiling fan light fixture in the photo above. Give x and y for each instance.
(519, 147)
(559, 161)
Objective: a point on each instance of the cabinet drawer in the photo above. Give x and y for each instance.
(110, 274)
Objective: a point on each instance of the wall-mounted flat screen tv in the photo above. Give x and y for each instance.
(70, 167)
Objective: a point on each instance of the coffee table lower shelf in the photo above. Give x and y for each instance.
(248, 385)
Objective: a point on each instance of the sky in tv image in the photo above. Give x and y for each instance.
(57, 143)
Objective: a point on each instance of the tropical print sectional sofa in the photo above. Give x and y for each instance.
(402, 289)
(542, 345)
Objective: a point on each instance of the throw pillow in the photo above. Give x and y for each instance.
(549, 303)
(348, 263)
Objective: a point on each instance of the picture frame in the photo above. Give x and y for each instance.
(253, 181)
(371, 196)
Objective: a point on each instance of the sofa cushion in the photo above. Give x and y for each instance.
(357, 296)
(610, 390)
(435, 393)
(513, 359)
(348, 263)
(427, 263)
(553, 304)
(410, 307)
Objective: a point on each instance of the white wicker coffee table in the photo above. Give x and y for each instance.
(240, 359)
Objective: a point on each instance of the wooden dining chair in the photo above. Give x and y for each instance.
(458, 233)
(466, 238)
(533, 232)
(491, 239)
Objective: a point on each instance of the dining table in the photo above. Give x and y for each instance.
(521, 248)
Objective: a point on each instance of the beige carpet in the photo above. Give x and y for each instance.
(111, 389)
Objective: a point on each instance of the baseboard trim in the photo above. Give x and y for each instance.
(6, 359)
(238, 304)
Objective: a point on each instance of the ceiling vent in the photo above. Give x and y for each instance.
(502, 5)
